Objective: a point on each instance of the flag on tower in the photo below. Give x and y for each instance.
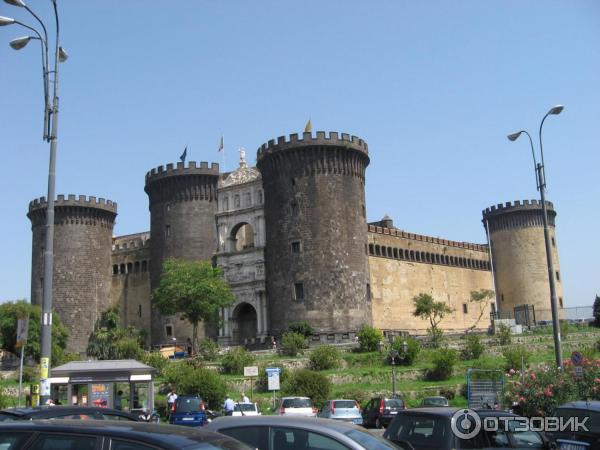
(308, 127)
(183, 155)
(222, 144)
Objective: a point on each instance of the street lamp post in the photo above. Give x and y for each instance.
(541, 186)
(50, 135)
(393, 354)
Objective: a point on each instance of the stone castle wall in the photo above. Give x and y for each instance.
(130, 284)
(404, 265)
(81, 286)
(519, 256)
(183, 204)
(316, 262)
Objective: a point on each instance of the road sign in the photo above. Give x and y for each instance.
(251, 371)
(578, 372)
(576, 358)
(22, 326)
(273, 378)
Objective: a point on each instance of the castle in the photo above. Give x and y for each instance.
(292, 237)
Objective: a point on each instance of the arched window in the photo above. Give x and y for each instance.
(236, 201)
(371, 249)
(243, 236)
(136, 267)
(225, 203)
(129, 267)
(377, 250)
(122, 268)
(144, 266)
(412, 255)
(248, 199)
(396, 253)
(115, 269)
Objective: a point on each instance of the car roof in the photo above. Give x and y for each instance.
(168, 436)
(58, 410)
(341, 400)
(449, 411)
(295, 396)
(313, 423)
(591, 405)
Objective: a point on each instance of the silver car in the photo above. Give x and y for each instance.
(290, 433)
(342, 409)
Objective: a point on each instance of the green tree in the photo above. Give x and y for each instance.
(427, 308)
(111, 341)
(293, 343)
(308, 384)
(302, 327)
(597, 311)
(195, 289)
(369, 338)
(9, 314)
(481, 298)
(190, 380)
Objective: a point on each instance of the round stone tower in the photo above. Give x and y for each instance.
(519, 256)
(183, 203)
(82, 261)
(316, 231)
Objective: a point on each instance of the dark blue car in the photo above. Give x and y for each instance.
(189, 410)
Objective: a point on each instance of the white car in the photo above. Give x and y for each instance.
(246, 409)
(297, 406)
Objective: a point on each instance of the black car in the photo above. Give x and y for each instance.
(380, 411)
(65, 412)
(436, 429)
(587, 414)
(95, 434)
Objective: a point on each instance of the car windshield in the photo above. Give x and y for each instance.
(297, 403)
(245, 407)
(344, 404)
(369, 441)
(188, 405)
(434, 401)
(421, 431)
(394, 403)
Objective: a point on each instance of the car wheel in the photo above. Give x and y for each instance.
(378, 424)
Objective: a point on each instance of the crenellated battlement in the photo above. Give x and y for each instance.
(74, 200)
(517, 205)
(191, 168)
(424, 238)
(333, 138)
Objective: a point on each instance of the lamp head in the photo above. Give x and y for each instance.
(514, 136)
(19, 43)
(19, 3)
(6, 21)
(556, 110)
(62, 54)
(404, 347)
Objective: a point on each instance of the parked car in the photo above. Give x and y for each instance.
(434, 401)
(65, 412)
(188, 410)
(246, 409)
(431, 429)
(579, 439)
(340, 409)
(380, 411)
(95, 434)
(297, 406)
(293, 432)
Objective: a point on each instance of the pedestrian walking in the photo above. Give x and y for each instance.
(171, 398)
(228, 406)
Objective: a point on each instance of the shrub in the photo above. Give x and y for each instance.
(473, 348)
(597, 345)
(412, 351)
(515, 357)
(372, 359)
(30, 374)
(436, 337)
(261, 381)
(235, 360)
(503, 335)
(302, 327)
(564, 329)
(207, 349)
(293, 343)
(5, 400)
(156, 360)
(324, 357)
(444, 360)
(307, 383)
(449, 393)
(369, 338)
(191, 381)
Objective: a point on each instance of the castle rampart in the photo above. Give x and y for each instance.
(519, 255)
(316, 263)
(183, 204)
(82, 258)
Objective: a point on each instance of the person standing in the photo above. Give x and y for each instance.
(244, 398)
(171, 398)
(228, 406)
(189, 347)
(119, 400)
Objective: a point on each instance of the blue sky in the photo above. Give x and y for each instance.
(432, 86)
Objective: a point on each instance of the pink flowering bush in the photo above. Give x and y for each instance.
(541, 390)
